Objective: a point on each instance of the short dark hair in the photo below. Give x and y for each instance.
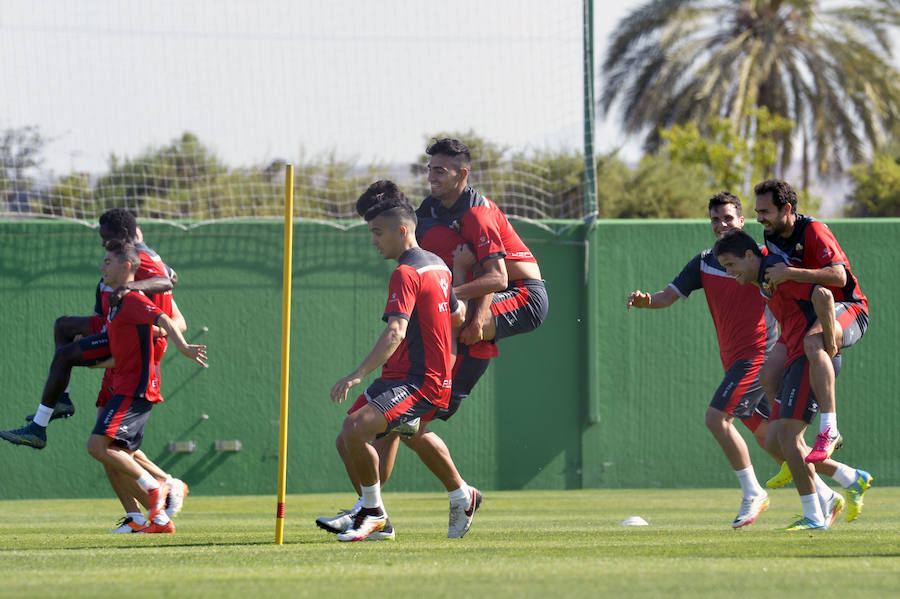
(782, 193)
(395, 209)
(724, 198)
(120, 219)
(736, 243)
(124, 250)
(378, 191)
(451, 147)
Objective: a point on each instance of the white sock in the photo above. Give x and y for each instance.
(371, 496)
(461, 495)
(137, 518)
(824, 492)
(844, 475)
(162, 518)
(750, 487)
(147, 481)
(811, 508)
(42, 416)
(828, 419)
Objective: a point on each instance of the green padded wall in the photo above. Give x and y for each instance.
(527, 425)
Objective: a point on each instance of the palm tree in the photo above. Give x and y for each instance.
(827, 68)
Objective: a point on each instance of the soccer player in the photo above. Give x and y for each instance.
(415, 349)
(811, 254)
(509, 296)
(120, 424)
(797, 307)
(72, 328)
(470, 364)
(91, 350)
(745, 331)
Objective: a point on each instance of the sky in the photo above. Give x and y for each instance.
(290, 79)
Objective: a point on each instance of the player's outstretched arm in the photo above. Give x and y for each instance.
(197, 353)
(388, 342)
(661, 299)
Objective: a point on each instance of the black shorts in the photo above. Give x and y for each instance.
(520, 308)
(466, 373)
(740, 393)
(854, 319)
(94, 349)
(123, 420)
(399, 401)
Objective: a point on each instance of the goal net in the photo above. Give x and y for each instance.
(188, 111)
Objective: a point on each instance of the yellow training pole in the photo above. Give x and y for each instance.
(285, 348)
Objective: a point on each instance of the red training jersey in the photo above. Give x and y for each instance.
(442, 241)
(420, 291)
(131, 345)
(482, 224)
(812, 245)
(744, 328)
(792, 307)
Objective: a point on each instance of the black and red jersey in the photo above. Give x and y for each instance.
(481, 223)
(745, 330)
(791, 305)
(420, 291)
(441, 240)
(129, 326)
(812, 245)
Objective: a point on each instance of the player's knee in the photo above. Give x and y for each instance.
(68, 355)
(716, 420)
(770, 381)
(97, 446)
(821, 296)
(813, 344)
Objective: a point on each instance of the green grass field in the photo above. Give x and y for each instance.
(522, 544)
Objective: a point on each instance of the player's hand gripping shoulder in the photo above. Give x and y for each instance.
(778, 274)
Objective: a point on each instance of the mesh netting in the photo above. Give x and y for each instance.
(189, 111)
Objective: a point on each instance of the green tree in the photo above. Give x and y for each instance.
(657, 187)
(876, 186)
(20, 156)
(729, 160)
(825, 67)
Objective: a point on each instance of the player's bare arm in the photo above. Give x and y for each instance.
(177, 318)
(388, 342)
(150, 286)
(493, 279)
(834, 275)
(197, 353)
(661, 299)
